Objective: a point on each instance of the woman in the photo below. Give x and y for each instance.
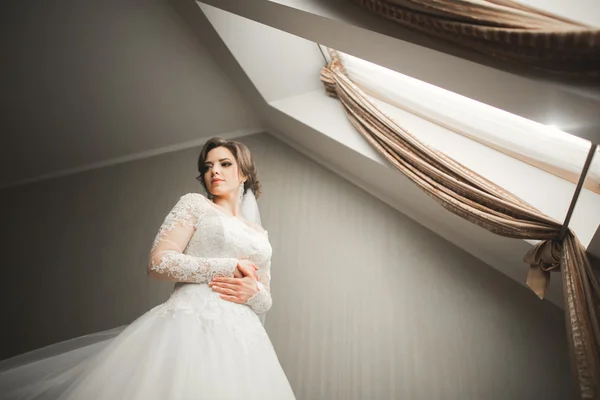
(206, 341)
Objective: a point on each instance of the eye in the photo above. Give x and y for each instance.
(226, 164)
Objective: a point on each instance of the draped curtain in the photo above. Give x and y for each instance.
(536, 144)
(501, 29)
(481, 202)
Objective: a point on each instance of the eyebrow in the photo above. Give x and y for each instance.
(222, 159)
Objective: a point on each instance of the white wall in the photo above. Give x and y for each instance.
(277, 64)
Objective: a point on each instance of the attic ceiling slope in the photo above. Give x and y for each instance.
(571, 107)
(502, 254)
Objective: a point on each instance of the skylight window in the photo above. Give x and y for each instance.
(542, 146)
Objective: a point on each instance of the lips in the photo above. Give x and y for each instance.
(216, 181)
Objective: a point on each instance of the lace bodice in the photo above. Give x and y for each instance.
(198, 241)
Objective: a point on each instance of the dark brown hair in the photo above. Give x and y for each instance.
(243, 157)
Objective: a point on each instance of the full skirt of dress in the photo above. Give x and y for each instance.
(194, 346)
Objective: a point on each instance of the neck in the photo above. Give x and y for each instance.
(229, 203)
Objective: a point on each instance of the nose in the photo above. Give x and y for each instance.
(215, 170)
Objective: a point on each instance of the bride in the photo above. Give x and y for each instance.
(206, 342)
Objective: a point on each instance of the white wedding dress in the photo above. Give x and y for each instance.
(194, 346)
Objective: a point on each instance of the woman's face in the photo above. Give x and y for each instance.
(222, 176)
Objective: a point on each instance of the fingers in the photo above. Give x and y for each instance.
(223, 279)
(226, 291)
(231, 286)
(246, 266)
(248, 281)
(245, 270)
(238, 291)
(250, 273)
(231, 298)
(229, 289)
(237, 274)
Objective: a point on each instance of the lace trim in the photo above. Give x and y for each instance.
(253, 226)
(188, 211)
(261, 302)
(226, 267)
(185, 268)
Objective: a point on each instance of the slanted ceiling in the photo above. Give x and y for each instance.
(272, 75)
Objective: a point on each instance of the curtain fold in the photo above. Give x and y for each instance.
(536, 144)
(480, 201)
(501, 29)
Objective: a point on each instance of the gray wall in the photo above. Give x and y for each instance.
(368, 304)
(89, 81)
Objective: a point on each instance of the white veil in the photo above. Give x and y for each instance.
(250, 212)
(249, 208)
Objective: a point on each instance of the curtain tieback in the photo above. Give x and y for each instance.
(542, 259)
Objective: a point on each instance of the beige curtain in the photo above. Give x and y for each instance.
(481, 202)
(501, 29)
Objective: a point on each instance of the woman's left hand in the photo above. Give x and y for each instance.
(236, 290)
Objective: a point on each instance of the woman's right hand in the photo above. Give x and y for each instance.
(245, 268)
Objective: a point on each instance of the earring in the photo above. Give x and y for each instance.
(241, 192)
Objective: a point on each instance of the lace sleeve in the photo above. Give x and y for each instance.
(261, 302)
(167, 261)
